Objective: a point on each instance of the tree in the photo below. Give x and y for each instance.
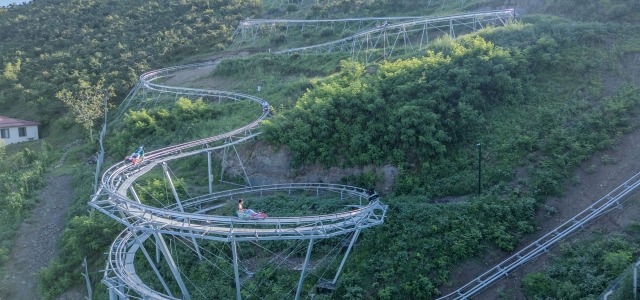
(11, 71)
(88, 103)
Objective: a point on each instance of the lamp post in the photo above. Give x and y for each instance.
(479, 167)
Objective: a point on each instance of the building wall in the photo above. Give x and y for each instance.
(32, 135)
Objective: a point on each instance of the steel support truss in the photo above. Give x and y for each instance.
(375, 42)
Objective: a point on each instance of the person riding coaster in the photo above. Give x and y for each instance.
(371, 194)
(136, 156)
(245, 213)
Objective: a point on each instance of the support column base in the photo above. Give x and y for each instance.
(325, 287)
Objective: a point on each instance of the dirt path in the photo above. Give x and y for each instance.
(37, 240)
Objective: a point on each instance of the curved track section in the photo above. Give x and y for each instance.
(191, 219)
(148, 87)
(123, 251)
(227, 228)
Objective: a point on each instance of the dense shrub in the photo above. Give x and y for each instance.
(583, 270)
(158, 126)
(426, 114)
(21, 176)
(410, 109)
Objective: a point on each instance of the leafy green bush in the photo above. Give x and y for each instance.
(64, 43)
(583, 270)
(326, 32)
(291, 7)
(409, 109)
(161, 126)
(536, 283)
(21, 176)
(424, 114)
(84, 236)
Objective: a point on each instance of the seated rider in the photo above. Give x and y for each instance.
(139, 153)
(244, 210)
(265, 106)
(371, 194)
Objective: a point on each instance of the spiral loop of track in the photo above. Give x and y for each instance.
(197, 221)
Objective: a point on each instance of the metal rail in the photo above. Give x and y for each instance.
(373, 40)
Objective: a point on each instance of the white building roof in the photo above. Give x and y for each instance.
(10, 122)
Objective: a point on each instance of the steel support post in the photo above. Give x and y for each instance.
(175, 194)
(172, 264)
(224, 161)
(86, 276)
(112, 294)
(173, 188)
(246, 177)
(234, 250)
(346, 254)
(153, 266)
(304, 269)
(451, 33)
(135, 195)
(210, 173)
(120, 287)
(635, 280)
(475, 18)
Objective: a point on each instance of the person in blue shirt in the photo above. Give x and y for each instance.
(137, 155)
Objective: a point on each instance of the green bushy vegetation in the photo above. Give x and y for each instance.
(409, 109)
(531, 92)
(178, 122)
(526, 98)
(21, 176)
(50, 45)
(584, 268)
(619, 11)
(412, 253)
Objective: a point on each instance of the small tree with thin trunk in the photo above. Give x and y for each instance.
(87, 103)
